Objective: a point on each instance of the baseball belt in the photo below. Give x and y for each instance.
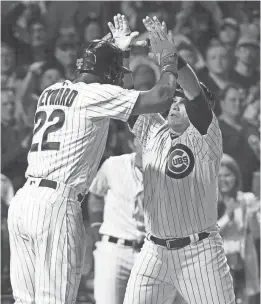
(133, 244)
(42, 182)
(177, 243)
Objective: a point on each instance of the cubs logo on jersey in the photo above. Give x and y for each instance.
(180, 162)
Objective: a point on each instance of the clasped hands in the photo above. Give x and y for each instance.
(162, 43)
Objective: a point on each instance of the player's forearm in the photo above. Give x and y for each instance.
(128, 79)
(188, 80)
(159, 98)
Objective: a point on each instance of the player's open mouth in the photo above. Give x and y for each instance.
(172, 114)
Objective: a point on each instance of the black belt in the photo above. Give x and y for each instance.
(177, 243)
(53, 185)
(133, 244)
(48, 183)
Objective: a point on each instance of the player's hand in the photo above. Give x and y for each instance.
(121, 32)
(162, 43)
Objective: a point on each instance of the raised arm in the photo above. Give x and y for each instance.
(199, 107)
(160, 97)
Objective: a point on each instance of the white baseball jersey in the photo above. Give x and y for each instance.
(71, 127)
(180, 177)
(180, 200)
(121, 184)
(47, 234)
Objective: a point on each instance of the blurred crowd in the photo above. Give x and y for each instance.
(40, 41)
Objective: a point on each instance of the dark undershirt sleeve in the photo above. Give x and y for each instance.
(200, 113)
(131, 121)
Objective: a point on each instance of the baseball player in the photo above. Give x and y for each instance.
(47, 235)
(181, 160)
(118, 189)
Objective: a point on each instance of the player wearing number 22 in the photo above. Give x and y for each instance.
(181, 159)
(47, 235)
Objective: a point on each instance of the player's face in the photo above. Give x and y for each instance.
(178, 117)
(226, 180)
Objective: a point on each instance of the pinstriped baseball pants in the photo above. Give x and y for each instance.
(47, 242)
(199, 272)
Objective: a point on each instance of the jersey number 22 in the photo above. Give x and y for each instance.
(41, 117)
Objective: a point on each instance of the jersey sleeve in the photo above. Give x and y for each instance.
(109, 101)
(144, 125)
(208, 147)
(204, 128)
(100, 184)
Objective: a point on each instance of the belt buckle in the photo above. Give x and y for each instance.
(168, 244)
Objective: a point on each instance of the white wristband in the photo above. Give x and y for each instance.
(95, 224)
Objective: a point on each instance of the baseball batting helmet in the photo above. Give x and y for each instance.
(103, 59)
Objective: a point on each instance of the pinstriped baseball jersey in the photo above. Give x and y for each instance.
(121, 184)
(180, 177)
(71, 127)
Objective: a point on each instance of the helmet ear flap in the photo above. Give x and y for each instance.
(113, 76)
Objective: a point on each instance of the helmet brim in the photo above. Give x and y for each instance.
(179, 93)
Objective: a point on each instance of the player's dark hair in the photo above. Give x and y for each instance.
(232, 165)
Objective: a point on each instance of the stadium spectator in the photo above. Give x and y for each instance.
(237, 224)
(15, 139)
(65, 52)
(215, 75)
(69, 33)
(91, 30)
(236, 132)
(7, 193)
(245, 71)
(228, 33)
(7, 66)
(145, 73)
(33, 46)
(188, 53)
(40, 75)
